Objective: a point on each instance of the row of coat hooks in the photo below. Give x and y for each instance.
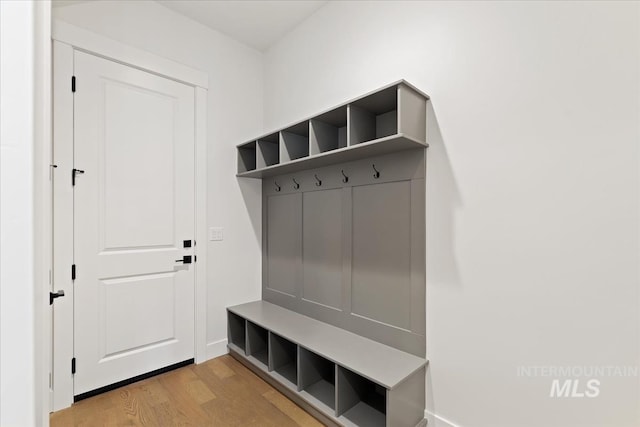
(345, 179)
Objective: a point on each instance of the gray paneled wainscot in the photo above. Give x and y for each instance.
(341, 325)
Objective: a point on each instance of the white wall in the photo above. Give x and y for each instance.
(17, 327)
(532, 187)
(234, 114)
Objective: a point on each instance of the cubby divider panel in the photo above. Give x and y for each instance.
(294, 142)
(268, 151)
(328, 131)
(237, 330)
(360, 401)
(374, 117)
(318, 379)
(412, 113)
(283, 358)
(247, 157)
(258, 343)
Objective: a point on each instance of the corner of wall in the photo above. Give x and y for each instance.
(433, 420)
(216, 349)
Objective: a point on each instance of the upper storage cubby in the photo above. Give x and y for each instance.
(374, 116)
(247, 157)
(389, 119)
(294, 142)
(268, 151)
(329, 131)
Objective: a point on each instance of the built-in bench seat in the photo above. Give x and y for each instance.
(342, 378)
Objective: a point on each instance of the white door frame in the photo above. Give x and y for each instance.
(26, 262)
(66, 39)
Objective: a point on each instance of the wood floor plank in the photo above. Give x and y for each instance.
(220, 392)
(220, 368)
(136, 408)
(292, 410)
(155, 393)
(200, 392)
(232, 404)
(188, 410)
(260, 386)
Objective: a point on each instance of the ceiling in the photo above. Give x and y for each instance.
(257, 23)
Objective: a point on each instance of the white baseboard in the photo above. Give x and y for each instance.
(434, 420)
(216, 349)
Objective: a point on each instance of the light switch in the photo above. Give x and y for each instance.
(216, 234)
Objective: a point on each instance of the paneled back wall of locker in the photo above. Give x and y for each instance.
(345, 244)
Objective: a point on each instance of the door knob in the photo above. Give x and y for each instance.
(54, 295)
(185, 259)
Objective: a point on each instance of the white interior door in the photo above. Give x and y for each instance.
(133, 210)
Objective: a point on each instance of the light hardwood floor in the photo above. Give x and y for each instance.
(220, 392)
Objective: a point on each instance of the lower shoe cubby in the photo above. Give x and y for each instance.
(317, 382)
(360, 401)
(237, 331)
(283, 358)
(257, 343)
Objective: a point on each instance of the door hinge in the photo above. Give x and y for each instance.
(73, 272)
(73, 365)
(73, 83)
(54, 295)
(75, 172)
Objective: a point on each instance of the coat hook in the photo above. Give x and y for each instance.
(346, 178)
(295, 184)
(377, 174)
(277, 186)
(319, 182)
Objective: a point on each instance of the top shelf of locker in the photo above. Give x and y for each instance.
(387, 120)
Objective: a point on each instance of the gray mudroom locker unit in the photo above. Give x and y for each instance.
(340, 328)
